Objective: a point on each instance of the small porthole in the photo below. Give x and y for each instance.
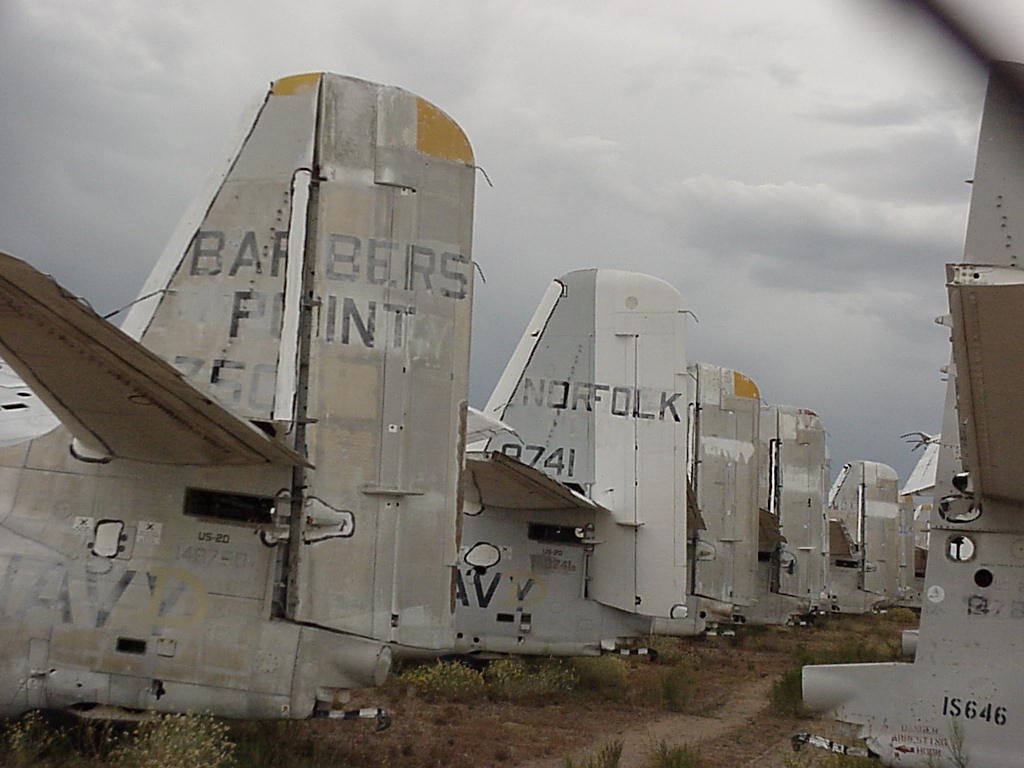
(983, 577)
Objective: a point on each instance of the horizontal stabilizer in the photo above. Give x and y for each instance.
(502, 482)
(113, 394)
(480, 428)
(987, 308)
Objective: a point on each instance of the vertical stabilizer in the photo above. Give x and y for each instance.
(956, 703)
(596, 393)
(391, 281)
(995, 224)
(326, 295)
(864, 499)
(792, 491)
(723, 470)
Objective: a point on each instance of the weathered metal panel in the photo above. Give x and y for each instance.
(640, 453)
(533, 600)
(388, 372)
(198, 586)
(229, 286)
(987, 306)
(881, 532)
(994, 233)
(803, 466)
(23, 415)
(725, 465)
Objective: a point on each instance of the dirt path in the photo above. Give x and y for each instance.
(740, 710)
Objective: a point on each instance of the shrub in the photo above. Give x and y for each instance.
(603, 675)
(444, 681)
(516, 679)
(607, 756)
(92, 740)
(677, 688)
(669, 649)
(176, 741)
(787, 695)
(850, 650)
(680, 756)
(27, 740)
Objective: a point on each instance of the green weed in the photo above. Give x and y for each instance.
(444, 681)
(601, 675)
(678, 688)
(516, 679)
(787, 696)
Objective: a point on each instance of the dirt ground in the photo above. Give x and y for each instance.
(730, 719)
(717, 695)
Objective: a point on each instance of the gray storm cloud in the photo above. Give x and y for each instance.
(796, 170)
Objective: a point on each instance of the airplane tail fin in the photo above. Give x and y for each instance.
(724, 471)
(793, 477)
(324, 293)
(864, 497)
(596, 392)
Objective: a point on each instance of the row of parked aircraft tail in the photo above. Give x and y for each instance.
(268, 482)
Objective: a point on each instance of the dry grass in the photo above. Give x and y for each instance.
(176, 741)
(607, 756)
(520, 711)
(665, 755)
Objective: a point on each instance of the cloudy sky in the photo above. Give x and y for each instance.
(795, 168)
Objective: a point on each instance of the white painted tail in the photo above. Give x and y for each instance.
(596, 392)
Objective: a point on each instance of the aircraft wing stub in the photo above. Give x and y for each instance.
(987, 305)
(112, 393)
(505, 483)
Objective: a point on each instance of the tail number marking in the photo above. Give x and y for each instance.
(969, 709)
(559, 460)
